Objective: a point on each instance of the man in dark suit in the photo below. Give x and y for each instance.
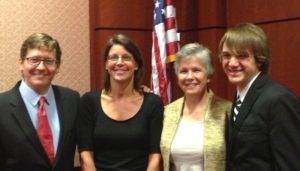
(36, 135)
(264, 130)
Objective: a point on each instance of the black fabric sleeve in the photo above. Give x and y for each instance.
(86, 120)
(285, 132)
(2, 159)
(155, 123)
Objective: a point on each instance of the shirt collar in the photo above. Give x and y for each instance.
(242, 94)
(33, 97)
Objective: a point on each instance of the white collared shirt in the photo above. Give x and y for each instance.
(242, 94)
(31, 99)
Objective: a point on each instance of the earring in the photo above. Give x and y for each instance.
(207, 85)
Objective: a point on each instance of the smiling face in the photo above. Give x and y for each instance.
(38, 77)
(192, 76)
(120, 64)
(240, 68)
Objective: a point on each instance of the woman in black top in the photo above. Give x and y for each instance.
(119, 127)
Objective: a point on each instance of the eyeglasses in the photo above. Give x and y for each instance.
(36, 60)
(115, 58)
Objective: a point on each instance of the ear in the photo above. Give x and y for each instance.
(259, 64)
(208, 78)
(106, 67)
(21, 63)
(57, 68)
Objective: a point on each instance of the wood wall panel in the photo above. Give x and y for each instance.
(187, 14)
(260, 11)
(200, 14)
(204, 22)
(197, 21)
(284, 38)
(211, 13)
(124, 14)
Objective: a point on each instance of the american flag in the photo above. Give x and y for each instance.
(164, 48)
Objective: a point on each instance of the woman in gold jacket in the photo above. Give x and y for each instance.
(193, 136)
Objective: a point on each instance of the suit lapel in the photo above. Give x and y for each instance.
(229, 130)
(247, 105)
(60, 110)
(22, 118)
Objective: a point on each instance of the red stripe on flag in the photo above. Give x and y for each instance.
(162, 80)
(170, 23)
(164, 48)
(172, 48)
(168, 2)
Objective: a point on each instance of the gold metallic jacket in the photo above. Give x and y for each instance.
(216, 114)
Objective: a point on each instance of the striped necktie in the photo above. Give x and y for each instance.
(237, 107)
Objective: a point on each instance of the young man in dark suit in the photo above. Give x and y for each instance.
(37, 119)
(264, 130)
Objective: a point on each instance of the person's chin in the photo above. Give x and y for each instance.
(41, 82)
(192, 92)
(234, 79)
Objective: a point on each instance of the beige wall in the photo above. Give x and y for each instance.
(65, 20)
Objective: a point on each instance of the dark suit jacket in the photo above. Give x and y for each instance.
(20, 147)
(266, 134)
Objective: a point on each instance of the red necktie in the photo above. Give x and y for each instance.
(44, 130)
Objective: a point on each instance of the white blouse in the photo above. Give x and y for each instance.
(187, 146)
